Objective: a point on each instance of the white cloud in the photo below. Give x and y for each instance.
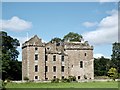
(89, 24)
(99, 55)
(107, 31)
(15, 24)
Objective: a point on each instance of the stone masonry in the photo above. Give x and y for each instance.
(45, 61)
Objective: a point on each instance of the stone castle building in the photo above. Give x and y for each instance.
(45, 61)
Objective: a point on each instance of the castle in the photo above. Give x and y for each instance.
(46, 61)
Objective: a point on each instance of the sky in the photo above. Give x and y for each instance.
(97, 22)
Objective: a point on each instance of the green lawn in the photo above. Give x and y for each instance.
(112, 84)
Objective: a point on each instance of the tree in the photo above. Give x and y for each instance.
(112, 73)
(56, 39)
(11, 68)
(73, 37)
(116, 56)
(101, 66)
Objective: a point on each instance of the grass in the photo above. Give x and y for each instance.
(111, 84)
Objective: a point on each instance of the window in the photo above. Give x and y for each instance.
(36, 48)
(62, 77)
(62, 68)
(54, 58)
(36, 68)
(62, 58)
(36, 56)
(78, 77)
(46, 68)
(54, 77)
(85, 54)
(81, 64)
(54, 68)
(46, 57)
(36, 77)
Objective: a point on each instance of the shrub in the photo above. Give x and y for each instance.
(2, 85)
(55, 80)
(85, 77)
(65, 80)
(26, 78)
(72, 78)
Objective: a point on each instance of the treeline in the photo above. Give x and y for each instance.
(12, 68)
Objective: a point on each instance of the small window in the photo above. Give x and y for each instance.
(54, 58)
(46, 68)
(78, 77)
(62, 77)
(36, 48)
(36, 56)
(54, 68)
(54, 77)
(36, 77)
(46, 78)
(36, 68)
(81, 64)
(62, 68)
(46, 57)
(85, 54)
(62, 58)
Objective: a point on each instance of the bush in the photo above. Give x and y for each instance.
(85, 77)
(26, 78)
(55, 80)
(65, 80)
(2, 85)
(72, 78)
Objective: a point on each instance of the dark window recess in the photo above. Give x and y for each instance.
(85, 54)
(62, 57)
(36, 77)
(54, 58)
(46, 68)
(62, 68)
(36, 68)
(36, 48)
(46, 78)
(54, 68)
(62, 77)
(81, 64)
(36, 56)
(46, 57)
(54, 77)
(78, 77)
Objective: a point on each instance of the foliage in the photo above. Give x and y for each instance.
(65, 80)
(101, 66)
(56, 39)
(71, 36)
(2, 85)
(26, 78)
(55, 80)
(11, 68)
(112, 73)
(116, 56)
(72, 78)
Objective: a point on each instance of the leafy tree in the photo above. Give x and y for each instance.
(112, 73)
(101, 66)
(115, 60)
(56, 39)
(11, 68)
(73, 37)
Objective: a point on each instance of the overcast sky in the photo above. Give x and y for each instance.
(96, 21)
